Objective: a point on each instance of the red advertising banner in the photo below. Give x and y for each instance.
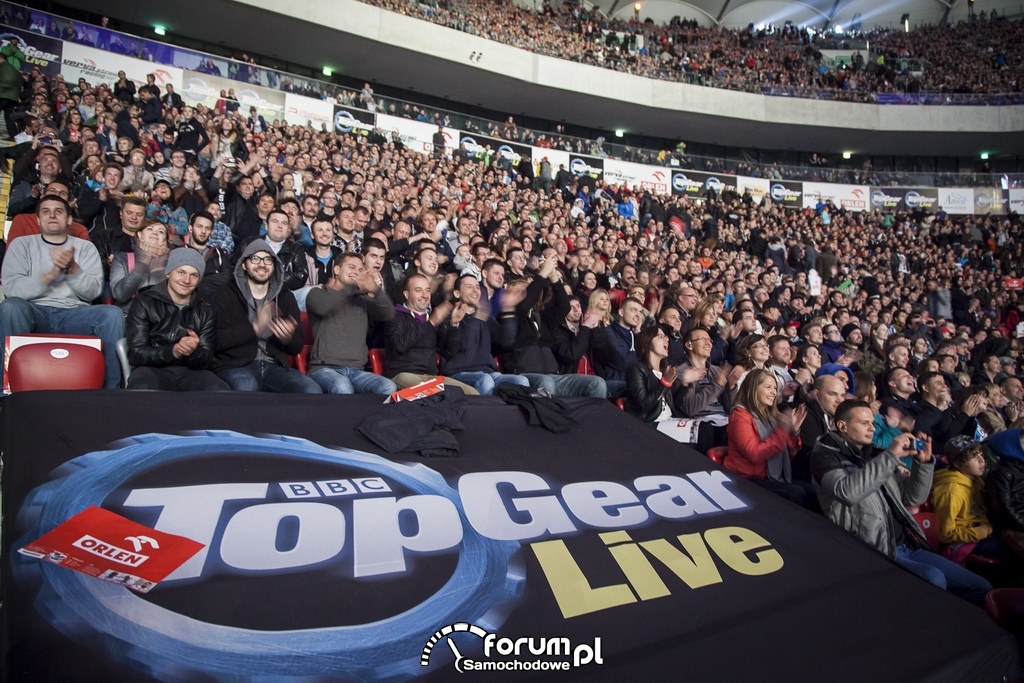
(99, 543)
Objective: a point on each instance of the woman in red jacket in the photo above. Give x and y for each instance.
(763, 439)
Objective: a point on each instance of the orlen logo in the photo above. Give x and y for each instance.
(163, 77)
(581, 167)
(659, 176)
(344, 122)
(857, 202)
(394, 538)
(781, 193)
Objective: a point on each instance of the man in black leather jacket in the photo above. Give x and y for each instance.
(170, 331)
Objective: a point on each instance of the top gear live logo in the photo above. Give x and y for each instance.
(358, 558)
(560, 654)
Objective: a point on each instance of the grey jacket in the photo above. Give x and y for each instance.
(850, 485)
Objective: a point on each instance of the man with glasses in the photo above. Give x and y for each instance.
(257, 327)
(832, 347)
(686, 302)
(706, 400)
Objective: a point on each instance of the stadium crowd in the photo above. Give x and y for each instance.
(819, 168)
(926, 59)
(797, 340)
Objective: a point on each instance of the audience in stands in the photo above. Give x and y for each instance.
(863, 490)
(682, 304)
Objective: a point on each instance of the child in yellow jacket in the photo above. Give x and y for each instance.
(957, 500)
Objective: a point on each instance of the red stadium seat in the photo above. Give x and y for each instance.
(620, 403)
(929, 523)
(55, 365)
(377, 361)
(717, 454)
(1006, 607)
(302, 360)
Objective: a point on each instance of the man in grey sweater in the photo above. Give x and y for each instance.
(339, 314)
(50, 280)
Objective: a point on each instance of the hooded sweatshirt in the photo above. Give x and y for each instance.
(235, 310)
(958, 505)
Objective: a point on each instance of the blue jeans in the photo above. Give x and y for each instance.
(18, 316)
(262, 375)
(943, 573)
(351, 381)
(484, 382)
(569, 385)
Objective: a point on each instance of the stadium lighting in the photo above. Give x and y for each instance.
(905, 20)
(636, 7)
(160, 30)
(847, 155)
(327, 71)
(984, 156)
(838, 28)
(619, 133)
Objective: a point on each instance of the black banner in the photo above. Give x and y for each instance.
(592, 167)
(991, 201)
(696, 183)
(905, 198)
(39, 50)
(620, 552)
(787, 193)
(354, 121)
(480, 145)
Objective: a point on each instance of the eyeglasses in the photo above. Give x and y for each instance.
(256, 259)
(702, 339)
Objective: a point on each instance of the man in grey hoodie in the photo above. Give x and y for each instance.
(258, 328)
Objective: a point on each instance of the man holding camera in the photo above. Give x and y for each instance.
(865, 491)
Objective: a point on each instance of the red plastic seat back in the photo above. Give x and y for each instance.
(929, 523)
(377, 361)
(717, 454)
(55, 365)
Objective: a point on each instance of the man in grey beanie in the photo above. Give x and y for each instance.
(171, 332)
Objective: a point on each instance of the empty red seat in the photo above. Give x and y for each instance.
(55, 365)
